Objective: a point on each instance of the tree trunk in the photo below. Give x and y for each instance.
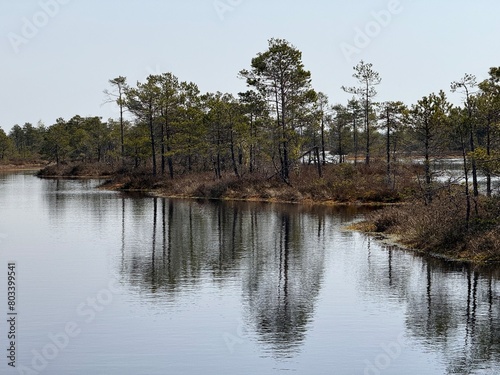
(169, 149)
(475, 185)
(467, 190)
(427, 163)
(388, 147)
(152, 136)
(162, 138)
(122, 129)
(394, 159)
(233, 157)
(323, 151)
(190, 161)
(488, 152)
(355, 135)
(218, 172)
(251, 166)
(473, 164)
(285, 172)
(341, 151)
(318, 161)
(367, 120)
(170, 162)
(285, 167)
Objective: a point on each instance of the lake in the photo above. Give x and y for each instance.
(110, 283)
(450, 170)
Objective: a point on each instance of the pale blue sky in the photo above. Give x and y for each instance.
(59, 66)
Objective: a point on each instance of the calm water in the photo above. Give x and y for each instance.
(115, 284)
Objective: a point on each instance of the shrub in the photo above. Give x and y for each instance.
(441, 227)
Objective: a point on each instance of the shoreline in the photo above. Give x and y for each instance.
(23, 167)
(439, 230)
(305, 202)
(392, 240)
(386, 239)
(118, 187)
(160, 193)
(309, 191)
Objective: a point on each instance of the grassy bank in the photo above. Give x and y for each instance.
(440, 228)
(344, 183)
(21, 165)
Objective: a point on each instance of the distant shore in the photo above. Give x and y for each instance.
(21, 167)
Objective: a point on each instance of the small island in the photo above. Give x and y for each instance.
(282, 141)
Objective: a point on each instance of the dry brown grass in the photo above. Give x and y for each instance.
(10, 165)
(349, 183)
(441, 227)
(343, 183)
(249, 187)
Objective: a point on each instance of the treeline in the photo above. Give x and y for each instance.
(169, 127)
(78, 139)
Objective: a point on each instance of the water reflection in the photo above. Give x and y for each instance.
(67, 199)
(278, 253)
(450, 308)
(177, 243)
(283, 279)
(279, 260)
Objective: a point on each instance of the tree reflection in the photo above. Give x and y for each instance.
(450, 308)
(283, 278)
(162, 251)
(276, 255)
(64, 198)
(279, 253)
